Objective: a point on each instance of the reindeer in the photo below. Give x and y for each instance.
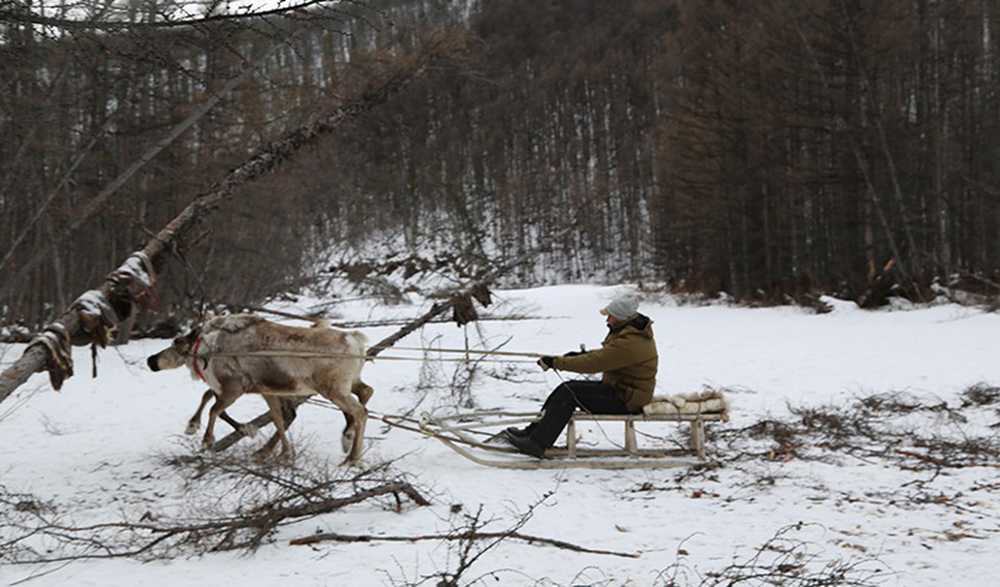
(242, 353)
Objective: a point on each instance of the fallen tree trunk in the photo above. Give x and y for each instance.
(403, 322)
(89, 318)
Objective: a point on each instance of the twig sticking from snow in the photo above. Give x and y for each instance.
(465, 540)
(782, 560)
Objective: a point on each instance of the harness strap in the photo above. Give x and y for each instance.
(194, 359)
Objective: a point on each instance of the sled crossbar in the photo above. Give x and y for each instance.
(631, 447)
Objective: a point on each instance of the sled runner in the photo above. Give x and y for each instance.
(478, 436)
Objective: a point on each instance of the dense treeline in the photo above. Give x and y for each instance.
(766, 148)
(551, 124)
(809, 143)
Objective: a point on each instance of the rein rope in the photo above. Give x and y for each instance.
(310, 354)
(321, 355)
(583, 408)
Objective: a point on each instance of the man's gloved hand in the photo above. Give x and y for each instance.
(546, 363)
(573, 353)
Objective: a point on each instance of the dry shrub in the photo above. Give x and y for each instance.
(980, 394)
(782, 560)
(230, 503)
(875, 426)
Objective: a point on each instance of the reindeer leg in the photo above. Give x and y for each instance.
(363, 392)
(353, 437)
(359, 416)
(288, 411)
(261, 453)
(195, 422)
(274, 404)
(225, 398)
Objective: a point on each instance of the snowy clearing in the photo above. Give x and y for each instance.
(96, 453)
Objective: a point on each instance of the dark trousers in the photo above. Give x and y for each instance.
(591, 396)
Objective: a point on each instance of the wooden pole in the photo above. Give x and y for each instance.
(436, 310)
(468, 351)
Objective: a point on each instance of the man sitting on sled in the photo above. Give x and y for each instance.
(627, 358)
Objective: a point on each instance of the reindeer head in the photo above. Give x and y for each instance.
(177, 354)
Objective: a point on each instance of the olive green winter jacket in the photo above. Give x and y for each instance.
(627, 358)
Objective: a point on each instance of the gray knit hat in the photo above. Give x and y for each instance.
(622, 307)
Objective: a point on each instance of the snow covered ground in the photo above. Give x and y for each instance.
(95, 450)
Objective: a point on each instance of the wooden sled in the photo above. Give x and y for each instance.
(477, 436)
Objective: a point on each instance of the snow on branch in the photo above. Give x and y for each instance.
(56, 341)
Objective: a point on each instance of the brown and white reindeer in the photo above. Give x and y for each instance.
(243, 353)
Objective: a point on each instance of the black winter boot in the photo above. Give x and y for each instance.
(526, 445)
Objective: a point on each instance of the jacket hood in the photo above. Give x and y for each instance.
(641, 323)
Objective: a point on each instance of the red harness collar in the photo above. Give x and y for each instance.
(194, 360)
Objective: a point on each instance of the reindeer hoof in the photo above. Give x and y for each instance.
(207, 443)
(266, 455)
(248, 430)
(262, 454)
(192, 428)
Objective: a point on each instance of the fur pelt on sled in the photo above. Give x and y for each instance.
(707, 401)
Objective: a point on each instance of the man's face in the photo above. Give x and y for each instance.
(612, 321)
